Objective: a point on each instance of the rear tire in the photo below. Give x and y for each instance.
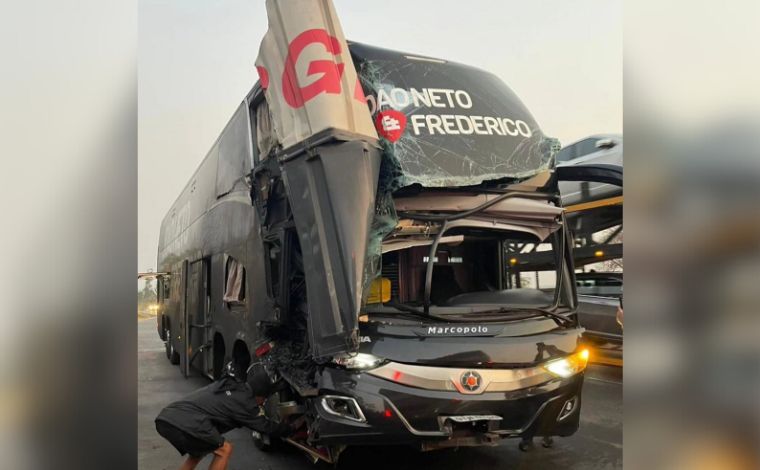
(171, 354)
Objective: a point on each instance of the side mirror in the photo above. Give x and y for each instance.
(605, 143)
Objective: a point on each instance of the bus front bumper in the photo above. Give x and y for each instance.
(358, 408)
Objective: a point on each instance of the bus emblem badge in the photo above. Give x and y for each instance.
(470, 380)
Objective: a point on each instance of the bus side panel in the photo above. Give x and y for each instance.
(179, 334)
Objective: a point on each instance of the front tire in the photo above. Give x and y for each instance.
(171, 354)
(262, 442)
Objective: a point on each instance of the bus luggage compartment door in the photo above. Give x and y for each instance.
(195, 321)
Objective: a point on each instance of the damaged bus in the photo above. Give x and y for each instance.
(377, 279)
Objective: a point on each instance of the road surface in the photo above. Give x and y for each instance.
(597, 445)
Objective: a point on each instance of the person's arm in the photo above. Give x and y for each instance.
(265, 425)
(261, 424)
(252, 419)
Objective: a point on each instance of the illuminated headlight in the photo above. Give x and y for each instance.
(359, 361)
(568, 366)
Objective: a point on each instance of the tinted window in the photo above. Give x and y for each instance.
(567, 154)
(585, 147)
(234, 282)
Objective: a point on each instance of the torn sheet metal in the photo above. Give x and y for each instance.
(447, 124)
(308, 76)
(330, 161)
(331, 188)
(517, 209)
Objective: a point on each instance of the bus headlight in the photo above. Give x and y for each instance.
(358, 361)
(568, 366)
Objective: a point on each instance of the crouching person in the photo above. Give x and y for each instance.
(195, 424)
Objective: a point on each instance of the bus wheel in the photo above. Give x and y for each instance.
(262, 442)
(171, 354)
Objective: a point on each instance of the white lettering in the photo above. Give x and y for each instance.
(400, 98)
(492, 125)
(524, 129)
(466, 120)
(418, 120)
(449, 123)
(477, 125)
(449, 93)
(453, 330)
(506, 121)
(435, 100)
(390, 124)
(460, 95)
(429, 118)
(383, 99)
(372, 104)
(422, 97)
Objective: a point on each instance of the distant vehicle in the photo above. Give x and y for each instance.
(596, 148)
(602, 284)
(619, 314)
(591, 208)
(600, 149)
(602, 318)
(599, 316)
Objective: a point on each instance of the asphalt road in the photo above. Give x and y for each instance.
(597, 445)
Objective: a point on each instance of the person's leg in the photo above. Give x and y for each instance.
(221, 457)
(190, 463)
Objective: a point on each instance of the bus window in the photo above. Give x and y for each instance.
(234, 282)
(265, 138)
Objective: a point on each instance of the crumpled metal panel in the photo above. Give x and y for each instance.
(306, 72)
(311, 87)
(331, 187)
(445, 124)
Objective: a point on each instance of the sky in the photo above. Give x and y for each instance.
(196, 64)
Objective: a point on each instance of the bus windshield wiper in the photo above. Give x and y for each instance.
(561, 320)
(408, 310)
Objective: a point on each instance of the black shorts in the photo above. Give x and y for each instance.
(184, 442)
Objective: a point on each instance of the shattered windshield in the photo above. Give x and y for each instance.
(446, 124)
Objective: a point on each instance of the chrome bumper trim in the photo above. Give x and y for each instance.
(451, 379)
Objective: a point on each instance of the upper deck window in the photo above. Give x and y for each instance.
(265, 137)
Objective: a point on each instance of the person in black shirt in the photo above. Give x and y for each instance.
(195, 424)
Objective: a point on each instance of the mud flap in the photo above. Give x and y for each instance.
(331, 183)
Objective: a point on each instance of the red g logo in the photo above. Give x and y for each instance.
(331, 71)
